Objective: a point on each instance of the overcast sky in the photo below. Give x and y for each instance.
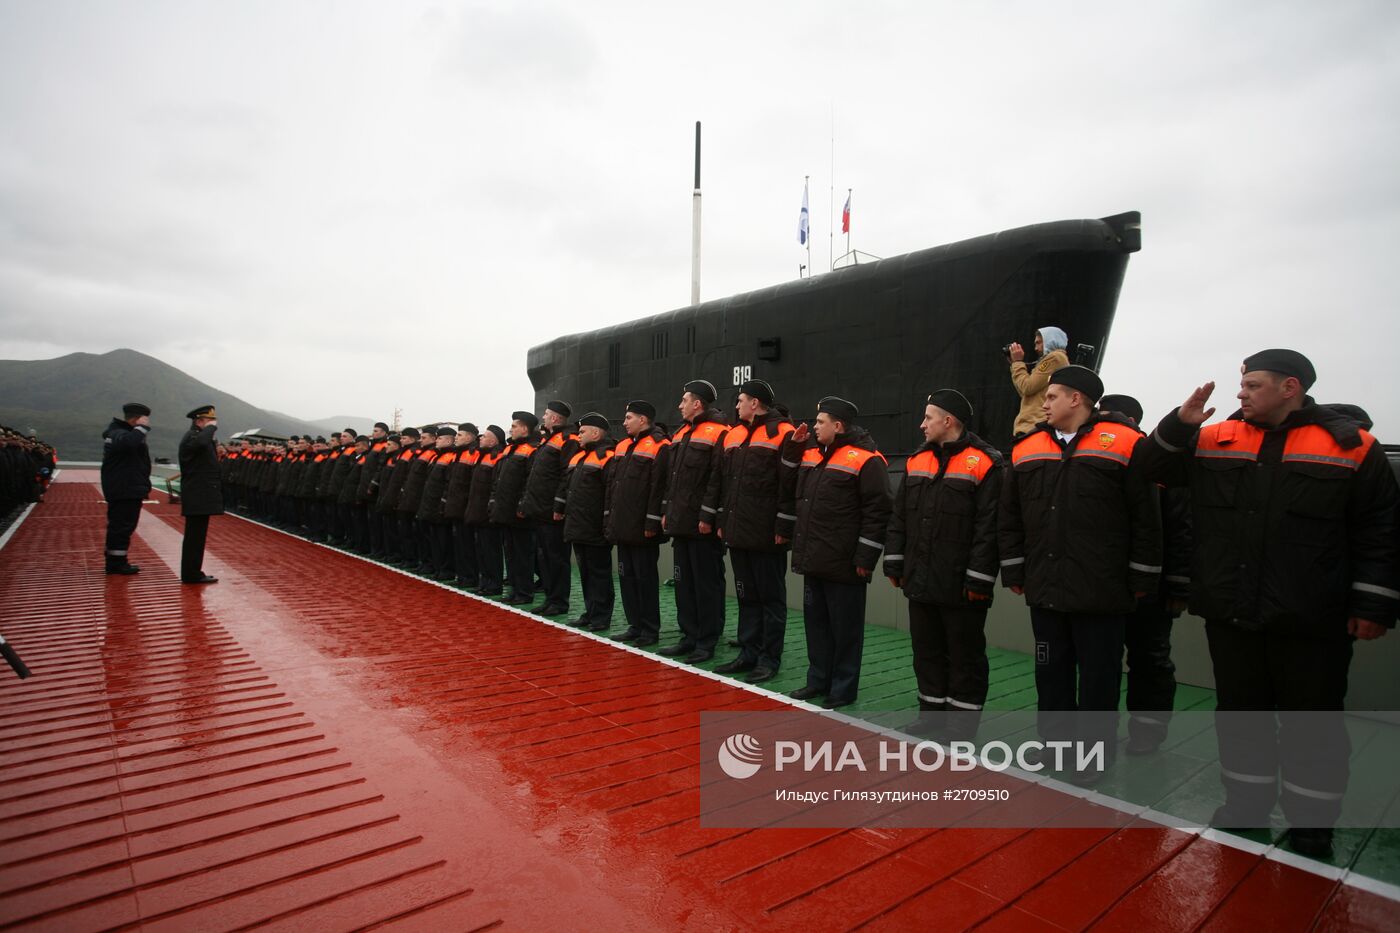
(338, 207)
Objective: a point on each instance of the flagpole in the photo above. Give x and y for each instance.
(695, 226)
(831, 199)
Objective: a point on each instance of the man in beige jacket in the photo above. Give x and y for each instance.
(1050, 343)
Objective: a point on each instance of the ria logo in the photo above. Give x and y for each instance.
(740, 756)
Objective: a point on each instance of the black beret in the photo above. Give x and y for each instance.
(135, 410)
(380, 424)
(1285, 363)
(1122, 405)
(361, 439)
(294, 437)
(203, 411)
(593, 420)
(562, 408)
(702, 390)
(1080, 379)
(319, 440)
(840, 409)
(499, 432)
(351, 431)
(526, 418)
(394, 437)
(643, 408)
(407, 432)
(445, 431)
(954, 403)
(468, 427)
(757, 388)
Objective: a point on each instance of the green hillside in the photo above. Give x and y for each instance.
(69, 400)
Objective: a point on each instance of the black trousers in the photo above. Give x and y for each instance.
(192, 547)
(1078, 674)
(553, 555)
(640, 584)
(389, 534)
(374, 524)
(230, 497)
(833, 615)
(1289, 672)
(760, 582)
(489, 556)
(595, 576)
(699, 576)
(464, 554)
(950, 662)
(408, 541)
(122, 518)
(1151, 673)
(359, 528)
(440, 545)
(520, 560)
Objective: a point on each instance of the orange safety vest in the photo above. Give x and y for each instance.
(524, 450)
(708, 433)
(1311, 443)
(594, 461)
(1110, 442)
(847, 459)
(973, 465)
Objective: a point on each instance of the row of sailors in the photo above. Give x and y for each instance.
(1294, 557)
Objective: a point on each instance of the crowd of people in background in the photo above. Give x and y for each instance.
(26, 466)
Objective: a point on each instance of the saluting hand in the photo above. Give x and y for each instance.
(1193, 411)
(801, 433)
(1365, 629)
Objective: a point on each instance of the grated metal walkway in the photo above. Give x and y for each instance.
(319, 742)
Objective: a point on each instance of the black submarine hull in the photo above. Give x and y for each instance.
(883, 334)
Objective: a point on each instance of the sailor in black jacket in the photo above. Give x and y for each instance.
(1080, 534)
(507, 486)
(688, 516)
(581, 501)
(126, 481)
(454, 507)
(632, 519)
(1294, 511)
(839, 492)
(1147, 641)
(941, 550)
(746, 482)
(538, 506)
(200, 492)
(489, 540)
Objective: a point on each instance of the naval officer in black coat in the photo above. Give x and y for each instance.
(200, 493)
(126, 480)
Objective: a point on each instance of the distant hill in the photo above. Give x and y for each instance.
(69, 400)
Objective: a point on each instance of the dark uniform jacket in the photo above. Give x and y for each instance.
(686, 500)
(1080, 526)
(411, 496)
(311, 474)
(942, 540)
(341, 472)
(350, 487)
(435, 487)
(746, 483)
(636, 479)
(583, 493)
(547, 468)
(328, 466)
(841, 497)
(369, 474)
(479, 495)
(512, 470)
(1294, 526)
(391, 478)
(459, 482)
(126, 462)
(200, 489)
